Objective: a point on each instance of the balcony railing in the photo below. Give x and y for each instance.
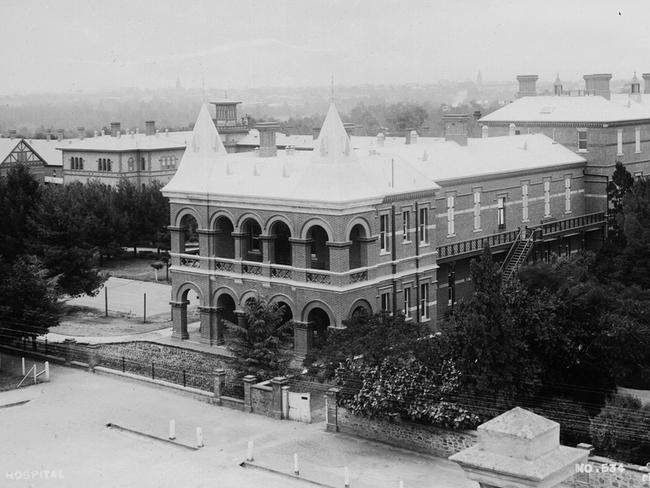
(360, 276)
(251, 269)
(190, 261)
(224, 266)
(321, 278)
(473, 246)
(280, 273)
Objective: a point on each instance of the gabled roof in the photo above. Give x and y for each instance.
(586, 109)
(47, 150)
(6, 146)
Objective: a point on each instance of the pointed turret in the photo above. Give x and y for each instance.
(333, 143)
(206, 141)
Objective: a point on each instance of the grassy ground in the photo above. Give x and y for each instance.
(8, 381)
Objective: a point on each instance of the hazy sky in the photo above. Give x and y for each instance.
(61, 45)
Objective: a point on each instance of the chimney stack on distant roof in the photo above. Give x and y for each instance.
(150, 127)
(456, 128)
(12, 133)
(557, 86)
(411, 136)
(484, 131)
(598, 84)
(48, 134)
(82, 132)
(267, 132)
(381, 138)
(115, 129)
(315, 132)
(646, 82)
(349, 128)
(59, 134)
(527, 85)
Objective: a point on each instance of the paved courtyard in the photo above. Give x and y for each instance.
(63, 429)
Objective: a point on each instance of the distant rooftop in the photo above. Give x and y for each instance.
(127, 142)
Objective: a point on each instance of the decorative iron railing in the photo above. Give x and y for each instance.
(251, 269)
(281, 273)
(190, 262)
(573, 223)
(477, 244)
(359, 276)
(323, 279)
(223, 266)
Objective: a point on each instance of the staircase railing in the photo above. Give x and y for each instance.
(508, 268)
(511, 251)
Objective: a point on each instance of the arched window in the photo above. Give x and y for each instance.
(143, 164)
(131, 164)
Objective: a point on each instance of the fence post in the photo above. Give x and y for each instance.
(249, 453)
(285, 402)
(23, 365)
(47, 371)
(172, 430)
(184, 380)
(219, 381)
(331, 410)
(277, 383)
(68, 345)
(199, 437)
(153, 371)
(93, 356)
(123, 365)
(248, 399)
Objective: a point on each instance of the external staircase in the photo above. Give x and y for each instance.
(521, 248)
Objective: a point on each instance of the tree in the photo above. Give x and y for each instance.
(28, 306)
(619, 186)
(262, 347)
(622, 429)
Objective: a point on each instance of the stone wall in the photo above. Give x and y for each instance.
(601, 472)
(423, 438)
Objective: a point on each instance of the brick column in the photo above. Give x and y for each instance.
(371, 249)
(301, 257)
(220, 327)
(581, 479)
(339, 259)
(177, 238)
(268, 253)
(277, 383)
(219, 381)
(93, 356)
(206, 246)
(68, 350)
(208, 325)
(248, 399)
(303, 336)
(241, 319)
(240, 243)
(331, 410)
(179, 320)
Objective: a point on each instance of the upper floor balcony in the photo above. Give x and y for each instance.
(503, 240)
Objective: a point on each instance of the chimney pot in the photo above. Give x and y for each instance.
(95, 134)
(411, 136)
(527, 85)
(267, 130)
(115, 128)
(349, 128)
(82, 132)
(484, 131)
(150, 127)
(646, 82)
(456, 128)
(59, 134)
(12, 133)
(381, 138)
(48, 134)
(511, 129)
(315, 132)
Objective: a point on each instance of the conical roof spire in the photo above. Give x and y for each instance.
(205, 140)
(333, 143)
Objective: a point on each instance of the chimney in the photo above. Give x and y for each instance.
(381, 138)
(150, 127)
(557, 86)
(411, 136)
(646, 82)
(527, 85)
(12, 134)
(59, 135)
(267, 132)
(115, 129)
(456, 128)
(598, 84)
(82, 132)
(48, 134)
(349, 128)
(95, 134)
(484, 131)
(635, 88)
(315, 132)
(511, 129)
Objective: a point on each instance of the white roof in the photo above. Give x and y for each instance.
(621, 107)
(128, 142)
(333, 175)
(6, 146)
(47, 150)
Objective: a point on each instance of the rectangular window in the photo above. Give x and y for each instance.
(451, 281)
(547, 198)
(582, 140)
(424, 301)
(637, 140)
(385, 302)
(619, 142)
(524, 202)
(567, 194)
(451, 203)
(407, 302)
(638, 175)
(424, 221)
(383, 232)
(477, 210)
(501, 212)
(143, 164)
(406, 223)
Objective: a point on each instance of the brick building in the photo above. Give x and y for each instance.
(361, 224)
(601, 126)
(14, 151)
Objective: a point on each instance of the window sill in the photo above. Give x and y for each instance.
(568, 212)
(424, 244)
(620, 154)
(477, 230)
(407, 242)
(450, 235)
(525, 221)
(582, 150)
(384, 252)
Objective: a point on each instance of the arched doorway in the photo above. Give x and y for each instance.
(252, 245)
(358, 254)
(189, 242)
(359, 312)
(224, 243)
(287, 314)
(320, 257)
(226, 307)
(320, 321)
(282, 251)
(185, 311)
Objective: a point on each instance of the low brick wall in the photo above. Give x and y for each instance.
(600, 475)
(417, 437)
(262, 399)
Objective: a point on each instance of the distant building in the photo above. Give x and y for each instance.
(360, 225)
(14, 151)
(601, 126)
(139, 157)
